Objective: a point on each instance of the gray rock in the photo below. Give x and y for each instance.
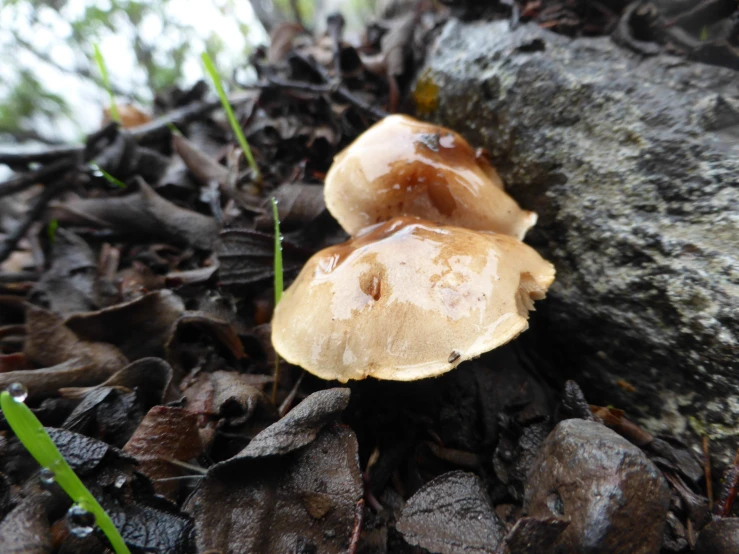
(633, 166)
(615, 497)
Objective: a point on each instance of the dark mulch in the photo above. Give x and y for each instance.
(138, 319)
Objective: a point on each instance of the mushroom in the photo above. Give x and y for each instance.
(401, 166)
(407, 299)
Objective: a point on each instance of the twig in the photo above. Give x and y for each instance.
(149, 132)
(297, 85)
(42, 176)
(16, 159)
(288, 402)
(344, 92)
(335, 25)
(357, 530)
(180, 117)
(14, 237)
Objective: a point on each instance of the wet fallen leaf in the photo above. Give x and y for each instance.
(144, 214)
(51, 342)
(165, 434)
(204, 168)
(301, 502)
(300, 426)
(452, 515)
(72, 283)
(298, 204)
(140, 328)
(247, 257)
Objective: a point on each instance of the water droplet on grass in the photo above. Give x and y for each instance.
(80, 522)
(18, 392)
(46, 476)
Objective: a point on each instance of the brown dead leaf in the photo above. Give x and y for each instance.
(297, 204)
(204, 168)
(247, 257)
(72, 283)
(50, 342)
(165, 434)
(304, 501)
(140, 328)
(143, 213)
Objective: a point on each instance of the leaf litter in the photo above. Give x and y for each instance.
(139, 328)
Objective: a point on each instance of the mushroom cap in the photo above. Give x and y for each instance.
(401, 166)
(407, 299)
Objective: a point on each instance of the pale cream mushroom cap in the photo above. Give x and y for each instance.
(407, 299)
(401, 166)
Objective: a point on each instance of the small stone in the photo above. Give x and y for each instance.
(613, 495)
(719, 537)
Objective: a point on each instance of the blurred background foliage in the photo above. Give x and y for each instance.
(51, 90)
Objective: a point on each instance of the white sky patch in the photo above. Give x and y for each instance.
(86, 100)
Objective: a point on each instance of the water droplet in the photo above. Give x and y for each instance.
(18, 392)
(80, 521)
(119, 481)
(46, 476)
(95, 170)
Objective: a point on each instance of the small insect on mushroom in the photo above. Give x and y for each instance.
(401, 166)
(396, 300)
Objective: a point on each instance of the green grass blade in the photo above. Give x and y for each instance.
(108, 177)
(114, 115)
(278, 254)
(211, 69)
(279, 285)
(51, 230)
(34, 437)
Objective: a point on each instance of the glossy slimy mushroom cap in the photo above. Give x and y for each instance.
(408, 299)
(401, 166)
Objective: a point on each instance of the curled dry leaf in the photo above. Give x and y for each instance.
(49, 342)
(72, 283)
(143, 213)
(452, 515)
(298, 204)
(165, 434)
(45, 382)
(223, 394)
(247, 257)
(203, 167)
(140, 328)
(302, 502)
(300, 426)
(220, 330)
(150, 377)
(25, 530)
(119, 154)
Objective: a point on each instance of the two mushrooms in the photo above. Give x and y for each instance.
(435, 273)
